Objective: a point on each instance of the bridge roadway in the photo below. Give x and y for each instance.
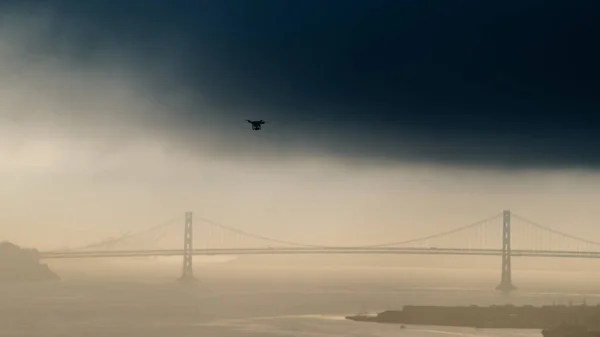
(324, 250)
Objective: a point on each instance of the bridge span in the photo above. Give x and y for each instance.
(317, 251)
(482, 238)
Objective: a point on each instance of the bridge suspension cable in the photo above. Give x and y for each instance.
(387, 244)
(434, 236)
(126, 236)
(259, 237)
(553, 231)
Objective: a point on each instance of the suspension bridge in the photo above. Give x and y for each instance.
(505, 234)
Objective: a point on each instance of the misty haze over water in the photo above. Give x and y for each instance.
(267, 297)
(386, 120)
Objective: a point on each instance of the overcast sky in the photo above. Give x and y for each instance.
(120, 114)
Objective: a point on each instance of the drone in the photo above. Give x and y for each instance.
(256, 125)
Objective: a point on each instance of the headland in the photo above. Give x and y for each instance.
(570, 330)
(492, 317)
(22, 265)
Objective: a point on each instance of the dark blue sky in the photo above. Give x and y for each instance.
(503, 83)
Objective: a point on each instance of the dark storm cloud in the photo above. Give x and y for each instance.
(502, 83)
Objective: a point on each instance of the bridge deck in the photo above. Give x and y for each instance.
(348, 250)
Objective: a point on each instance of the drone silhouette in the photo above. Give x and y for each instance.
(256, 125)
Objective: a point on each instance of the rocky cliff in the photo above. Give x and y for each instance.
(22, 265)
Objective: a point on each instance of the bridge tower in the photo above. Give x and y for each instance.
(506, 279)
(187, 273)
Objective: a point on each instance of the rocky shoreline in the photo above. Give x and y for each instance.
(492, 317)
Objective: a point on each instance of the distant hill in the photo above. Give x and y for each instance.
(22, 265)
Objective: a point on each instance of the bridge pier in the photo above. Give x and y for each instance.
(187, 274)
(506, 278)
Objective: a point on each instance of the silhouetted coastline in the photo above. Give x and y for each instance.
(570, 330)
(492, 317)
(22, 265)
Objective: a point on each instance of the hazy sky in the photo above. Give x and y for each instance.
(388, 118)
